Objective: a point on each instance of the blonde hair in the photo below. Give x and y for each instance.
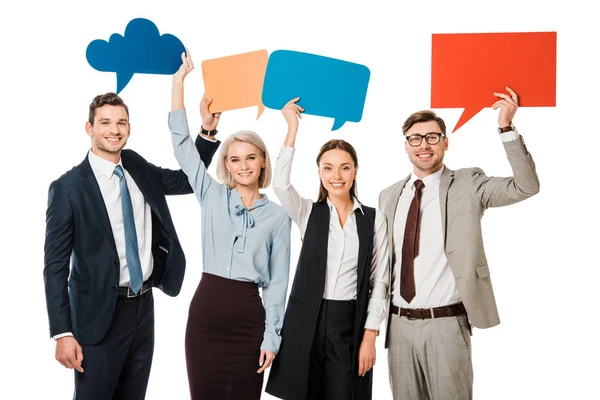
(264, 179)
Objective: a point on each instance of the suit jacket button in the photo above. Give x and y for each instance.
(117, 262)
(115, 288)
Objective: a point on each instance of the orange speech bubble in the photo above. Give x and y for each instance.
(466, 69)
(236, 81)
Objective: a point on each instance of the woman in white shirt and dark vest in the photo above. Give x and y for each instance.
(232, 336)
(338, 297)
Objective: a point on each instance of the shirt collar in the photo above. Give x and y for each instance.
(430, 181)
(236, 200)
(354, 206)
(100, 166)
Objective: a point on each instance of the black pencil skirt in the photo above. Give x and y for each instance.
(225, 328)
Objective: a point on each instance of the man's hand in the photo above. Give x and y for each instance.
(69, 353)
(209, 121)
(265, 360)
(508, 107)
(366, 353)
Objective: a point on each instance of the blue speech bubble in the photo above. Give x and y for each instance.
(142, 50)
(326, 86)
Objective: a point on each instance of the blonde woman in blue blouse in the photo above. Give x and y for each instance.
(232, 336)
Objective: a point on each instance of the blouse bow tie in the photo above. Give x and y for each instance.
(247, 222)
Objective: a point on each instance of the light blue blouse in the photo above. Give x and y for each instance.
(237, 244)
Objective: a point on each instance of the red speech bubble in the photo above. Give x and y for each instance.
(466, 69)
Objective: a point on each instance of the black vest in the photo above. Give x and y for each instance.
(289, 373)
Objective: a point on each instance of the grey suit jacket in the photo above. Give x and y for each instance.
(464, 196)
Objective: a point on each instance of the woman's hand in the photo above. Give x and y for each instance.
(187, 65)
(177, 88)
(366, 353)
(291, 112)
(265, 360)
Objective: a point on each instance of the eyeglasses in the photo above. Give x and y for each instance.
(430, 137)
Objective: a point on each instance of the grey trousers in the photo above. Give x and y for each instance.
(430, 359)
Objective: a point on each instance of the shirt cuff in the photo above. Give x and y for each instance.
(214, 139)
(373, 321)
(271, 342)
(510, 135)
(62, 335)
(285, 149)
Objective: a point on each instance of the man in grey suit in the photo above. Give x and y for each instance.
(441, 283)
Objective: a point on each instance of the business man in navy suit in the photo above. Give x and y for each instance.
(108, 218)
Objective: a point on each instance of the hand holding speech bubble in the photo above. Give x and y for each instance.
(141, 50)
(236, 81)
(326, 86)
(466, 69)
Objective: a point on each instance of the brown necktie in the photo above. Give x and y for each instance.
(410, 246)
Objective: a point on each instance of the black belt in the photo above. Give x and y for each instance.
(426, 313)
(125, 292)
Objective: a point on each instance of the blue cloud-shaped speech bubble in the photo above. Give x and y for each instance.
(327, 87)
(142, 50)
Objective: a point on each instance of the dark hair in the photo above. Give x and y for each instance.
(340, 145)
(111, 99)
(423, 116)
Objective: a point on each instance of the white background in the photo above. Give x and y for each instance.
(542, 252)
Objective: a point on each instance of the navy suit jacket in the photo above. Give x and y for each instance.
(81, 299)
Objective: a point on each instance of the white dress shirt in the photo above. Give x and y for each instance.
(343, 244)
(434, 282)
(111, 193)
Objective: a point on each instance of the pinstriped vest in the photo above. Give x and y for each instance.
(289, 374)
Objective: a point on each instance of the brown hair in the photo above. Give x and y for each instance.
(423, 116)
(340, 145)
(111, 99)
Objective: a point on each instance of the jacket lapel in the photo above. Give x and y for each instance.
(445, 182)
(95, 196)
(389, 208)
(141, 183)
(392, 205)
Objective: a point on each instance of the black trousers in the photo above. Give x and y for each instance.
(330, 373)
(118, 367)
